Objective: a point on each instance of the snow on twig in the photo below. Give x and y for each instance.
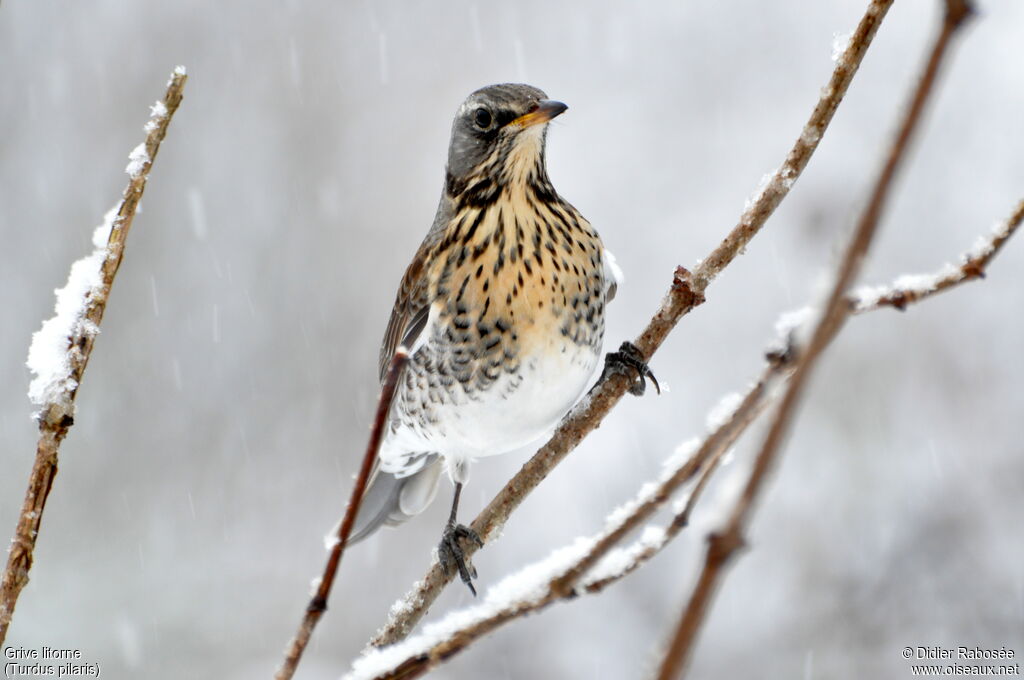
(60, 350)
(53, 352)
(912, 287)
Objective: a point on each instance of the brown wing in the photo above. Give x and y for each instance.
(409, 315)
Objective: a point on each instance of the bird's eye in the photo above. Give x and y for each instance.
(482, 118)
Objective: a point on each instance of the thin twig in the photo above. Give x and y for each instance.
(56, 414)
(705, 460)
(595, 583)
(318, 605)
(685, 293)
(973, 264)
(723, 544)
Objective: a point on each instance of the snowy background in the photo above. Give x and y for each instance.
(227, 401)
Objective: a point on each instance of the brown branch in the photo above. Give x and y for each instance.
(57, 396)
(973, 265)
(722, 545)
(420, 658)
(685, 293)
(757, 398)
(318, 605)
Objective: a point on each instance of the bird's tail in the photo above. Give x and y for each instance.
(392, 500)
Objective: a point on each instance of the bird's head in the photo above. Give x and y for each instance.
(499, 133)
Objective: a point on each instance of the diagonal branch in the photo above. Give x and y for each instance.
(723, 544)
(686, 292)
(60, 350)
(318, 605)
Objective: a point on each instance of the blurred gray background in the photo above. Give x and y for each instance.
(228, 399)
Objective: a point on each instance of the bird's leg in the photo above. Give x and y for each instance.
(630, 362)
(450, 552)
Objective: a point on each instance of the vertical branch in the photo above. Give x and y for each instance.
(61, 350)
(722, 545)
(318, 605)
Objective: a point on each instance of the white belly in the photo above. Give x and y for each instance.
(515, 410)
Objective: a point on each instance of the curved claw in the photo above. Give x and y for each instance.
(630, 362)
(451, 554)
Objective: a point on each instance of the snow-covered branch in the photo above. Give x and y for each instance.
(775, 186)
(685, 293)
(910, 288)
(60, 350)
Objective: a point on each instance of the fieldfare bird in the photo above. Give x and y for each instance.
(501, 311)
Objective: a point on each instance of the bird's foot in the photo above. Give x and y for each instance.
(630, 362)
(451, 554)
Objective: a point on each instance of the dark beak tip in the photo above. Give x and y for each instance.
(553, 107)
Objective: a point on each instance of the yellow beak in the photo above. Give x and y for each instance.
(545, 110)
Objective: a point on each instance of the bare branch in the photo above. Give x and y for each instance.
(61, 350)
(722, 545)
(685, 293)
(318, 605)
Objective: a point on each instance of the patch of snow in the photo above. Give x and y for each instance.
(982, 248)
(613, 267)
(137, 160)
(723, 411)
(811, 135)
(619, 514)
(157, 113)
(787, 176)
(762, 187)
(403, 605)
(683, 452)
(868, 296)
(616, 562)
(54, 346)
(840, 42)
(984, 245)
(525, 587)
(792, 323)
(926, 283)
(865, 297)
